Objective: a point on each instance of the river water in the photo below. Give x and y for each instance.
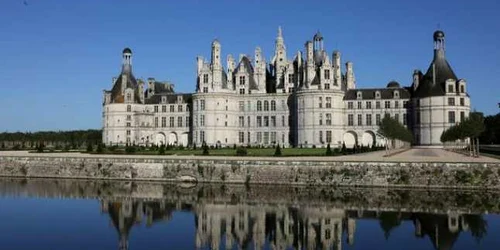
(70, 214)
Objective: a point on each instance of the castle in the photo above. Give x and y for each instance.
(309, 101)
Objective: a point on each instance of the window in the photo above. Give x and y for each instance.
(462, 116)
(187, 121)
(241, 105)
(179, 122)
(163, 108)
(156, 122)
(156, 109)
(242, 91)
(377, 95)
(129, 97)
(171, 122)
(273, 137)
(327, 86)
(328, 119)
(273, 121)
(462, 89)
(405, 104)
(202, 136)
(462, 102)
(396, 117)
(205, 89)
(273, 105)
(129, 108)
(128, 132)
(320, 103)
(163, 122)
(205, 78)
(377, 119)
(266, 137)
(328, 102)
(387, 104)
(350, 120)
(451, 101)
(327, 74)
(405, 118)
(259, 121)
(172, 108)
(266, 121)
(266, 106)
(328, 136)
(196, 121)
(202, 120)
(396, 104)
(360, 105)
(450, 88)
(242, 80)
(368, 105)
(179, 108)
(290, 90)
(202, 104)
(248, 137)
(321, 136)
(290, 78)
(129, 117)
(320, 119)
(259, 105)
(241, 121)
(259, 137)
(377, 105)
(241, 137)
(368, 119)
(451, 116)
(249, 106)
(360, 120)
(350, 105)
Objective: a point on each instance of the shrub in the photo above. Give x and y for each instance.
(328, 150)
(130, 149)
(161, 150)
(205, 149)
(17, 147)
(344, 148)
(194, 146)
(40, 147)
(234, 146)
(67, 147)
(180, 147)
(58, 147)
(277, 152)
(241, 151)
(89, 147)
(100, 148)
(3, 145)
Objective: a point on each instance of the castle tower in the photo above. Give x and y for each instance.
(216, 66)
(310, 72)
(337, 72)
(349, 74)
(280, 59)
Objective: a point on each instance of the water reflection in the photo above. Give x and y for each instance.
(236, 217)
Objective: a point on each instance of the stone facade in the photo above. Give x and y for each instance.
(311, 100)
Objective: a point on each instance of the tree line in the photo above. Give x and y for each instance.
(75, 138)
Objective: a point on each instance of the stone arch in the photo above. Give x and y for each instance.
(172, 138)
(350, 139)
(160, 138)
(368, 138)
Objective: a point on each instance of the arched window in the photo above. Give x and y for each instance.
(259, 106)
(266, 106)
(273, 105)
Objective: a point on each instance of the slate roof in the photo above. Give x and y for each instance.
(368, 94)
(427, 87)
(249, 70)
(171, 98)
(116, 94)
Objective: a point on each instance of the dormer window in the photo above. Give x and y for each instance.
(359, 95)
(462, 88)
(179, 98)
(129, 97)
(242, 80)
(163, 99)
(450, 88)
(377, 94)
(396, 94)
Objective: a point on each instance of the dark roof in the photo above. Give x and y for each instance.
(438, 34)
(317, 36)
(127, 50)
(161, 87)
(249, 70)
(393, 84)
(116, 92)
(171, 98)
(427, 87)
(368, 94)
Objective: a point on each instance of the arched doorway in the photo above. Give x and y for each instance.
(368, 138)
(172, 138)
(350, 139)
(160, 139)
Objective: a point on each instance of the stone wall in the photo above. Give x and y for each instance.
(253, 171)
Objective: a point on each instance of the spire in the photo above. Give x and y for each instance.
(126, 60)
(280, 33)
(439, 44)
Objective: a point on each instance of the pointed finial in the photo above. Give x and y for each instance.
(280, 32)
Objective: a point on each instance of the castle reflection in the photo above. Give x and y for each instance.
(258, 226)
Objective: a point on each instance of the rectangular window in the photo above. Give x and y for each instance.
(248, 138)
(450, 88)
(266, 137)
(241, 121)
(320, 119)
(242, 80)
(248, 121)
(368, 105)
(327, 86)
(156, 122)
(128, 132)
(451, 116)
(327, 74)
(172, 108)
(202, 136)
(205, 89)
(241, 137)
(129, 117)
(396, 104)
(249, 106)
(462, 116)
(462, 89)
(179, 108)
(405, 104)
(156, 109)
(205, 78)
(202, 120)
(377, 105)
(350, 105)
(368, 119)
(328, 136)
(360, 120)
(377, 119)
(179, 122)
(396, 117)
(259, 137)
(202, 104)
(273, 121)
(360, 105)
(172, 122)
(129, 124)
(451, 101)
(405, 118)
(328, 119)
(290, 78)
(350, 120)
(242, 91)
(283, 120)
(320, 102)
(266, 121)
(164, 108)
(163, 122)
(129, 108)
(273, 137)
(320, 136)
(187, 121)
(387, 104)
(259, 121)
(462, 102)
(241, 105)
(328, 102)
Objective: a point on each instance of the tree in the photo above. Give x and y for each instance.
(89, 147)
(100, 148)
(392, 129)
(205, 149)
(277, 152)
(328, 150)
(471, 128)
(161, 151)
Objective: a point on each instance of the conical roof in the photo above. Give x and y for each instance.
(441, 70)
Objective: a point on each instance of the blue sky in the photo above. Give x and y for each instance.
(57, 56)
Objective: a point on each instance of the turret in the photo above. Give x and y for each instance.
(141, 90)
(260, 69)
(126, 60)
(199, 64)
(216, 66)
(337, 73)
(310, 73)
(230, 69)
(350, 79)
